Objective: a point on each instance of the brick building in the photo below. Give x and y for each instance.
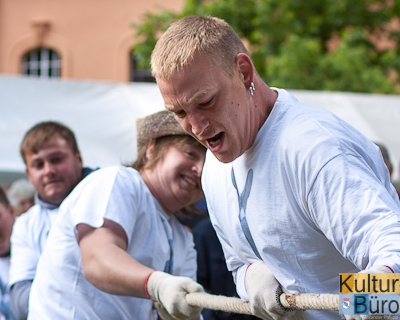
(74, 39)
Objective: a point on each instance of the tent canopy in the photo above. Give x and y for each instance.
(103, 116)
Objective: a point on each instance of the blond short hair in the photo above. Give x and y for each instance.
(190, 35)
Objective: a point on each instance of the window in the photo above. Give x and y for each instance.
(139, 75)
(41, 62)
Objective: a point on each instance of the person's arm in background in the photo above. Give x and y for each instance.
(23, 263)
(19, 299)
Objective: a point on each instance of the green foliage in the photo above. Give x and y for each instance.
(299, 70)
(289, 40)
(147, 34)
(352, 68)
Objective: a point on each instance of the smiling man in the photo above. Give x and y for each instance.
(295, 194)
(54, 166)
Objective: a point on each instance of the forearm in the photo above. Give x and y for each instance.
(110, 268)
(19, 295)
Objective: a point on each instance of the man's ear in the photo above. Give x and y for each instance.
(27, 174)
(78, 155)
(246, 68)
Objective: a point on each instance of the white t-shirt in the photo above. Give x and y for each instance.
(318, 202)
(28, 239)
(119, 194)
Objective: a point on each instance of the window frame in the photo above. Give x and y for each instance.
(41, 62)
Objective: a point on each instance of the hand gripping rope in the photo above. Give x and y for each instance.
(304, 301)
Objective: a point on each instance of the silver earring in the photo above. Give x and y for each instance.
(252, 88)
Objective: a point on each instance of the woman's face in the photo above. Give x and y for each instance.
(176, 176)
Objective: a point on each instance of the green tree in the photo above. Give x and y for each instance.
(291, 40)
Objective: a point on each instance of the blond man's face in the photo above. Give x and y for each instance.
(211, 106)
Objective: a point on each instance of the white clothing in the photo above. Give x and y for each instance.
(320, 202)
(28, 238)
(119, 194)
(4, 291)
(4, 267)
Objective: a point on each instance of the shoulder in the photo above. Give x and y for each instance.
(101, 173)
(29, 216)
(112, 173)
(305, 125)
(305, 132)
(106, 178)
(32, 222)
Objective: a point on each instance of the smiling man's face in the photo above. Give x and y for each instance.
(211, 106)
(54, 170)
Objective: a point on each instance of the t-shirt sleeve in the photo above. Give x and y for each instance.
(111, 193)
(24, 255)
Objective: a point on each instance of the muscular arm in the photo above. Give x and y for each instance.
(105, 262)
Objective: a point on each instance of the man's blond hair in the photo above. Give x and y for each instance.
(188, 36)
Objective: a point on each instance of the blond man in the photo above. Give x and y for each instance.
(295, 194)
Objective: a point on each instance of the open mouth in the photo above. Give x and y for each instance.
(215, 141)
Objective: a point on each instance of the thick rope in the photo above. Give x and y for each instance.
(302, 301)
(221, 303)
(311, 301)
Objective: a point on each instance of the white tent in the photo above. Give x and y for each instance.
(103, 116)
